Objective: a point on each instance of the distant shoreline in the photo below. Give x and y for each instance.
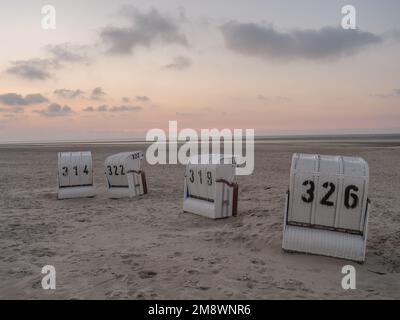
(258, 139)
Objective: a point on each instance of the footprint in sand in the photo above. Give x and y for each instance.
(203, 288)
(257, 261)
(193, 271)
(198, 259)
(147, 274)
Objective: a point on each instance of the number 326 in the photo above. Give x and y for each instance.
(351, 199)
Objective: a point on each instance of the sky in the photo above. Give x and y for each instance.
(116, 69)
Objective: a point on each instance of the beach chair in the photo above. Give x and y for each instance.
(327, 206)
(75, 175)
(210, 189)
(125, 177)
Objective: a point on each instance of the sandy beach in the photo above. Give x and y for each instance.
(147, 248)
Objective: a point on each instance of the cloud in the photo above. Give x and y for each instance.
(143, 98)
(105, 108)
(392, 35)
(40, 69)
(126, 99)
(125, 108)
(89, 109)
(144, 30)
(393, 94)
(273, 98)
(97, 94)
(102, 108)
(382, 95)
(14, 99)
(265, 42)
(67, 53)
(179, 63)
(68, 94)
(55, 110)
(15, 109)
(184, 114)
(33, 69)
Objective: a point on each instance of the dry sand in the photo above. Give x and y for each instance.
(146, 248)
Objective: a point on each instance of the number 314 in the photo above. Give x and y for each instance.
(75, 169)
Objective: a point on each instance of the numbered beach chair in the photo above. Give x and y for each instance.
(210, 189)
(327, 206)
(75, 175)
(125, 177)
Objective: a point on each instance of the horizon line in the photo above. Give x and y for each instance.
(336, 136)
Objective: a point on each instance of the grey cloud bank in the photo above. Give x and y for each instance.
(145, 29)
(40, 69)
(266, 42)
(14, 99)
(32, 69)
(55, 110)
(66, 53)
